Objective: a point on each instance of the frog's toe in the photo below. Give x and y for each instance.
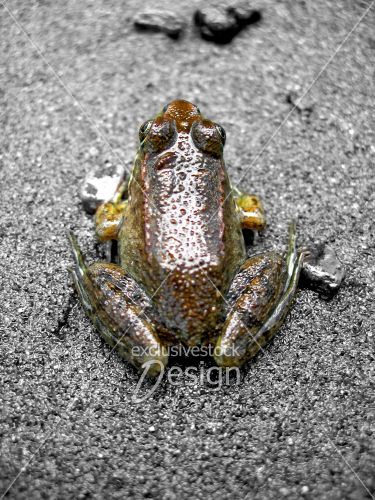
(79, 261)
(78, 271)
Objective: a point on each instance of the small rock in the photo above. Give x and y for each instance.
(165, 22)
(322, 271)
(100, 185)
(216, 24)
(221, 24)
(303, 106)
(284, 492)
(245, 13)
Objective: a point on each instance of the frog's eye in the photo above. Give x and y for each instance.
(208, 137)
(222, 133)
(144, 129)
(159, 135)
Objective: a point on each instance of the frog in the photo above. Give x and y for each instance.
(183, 275)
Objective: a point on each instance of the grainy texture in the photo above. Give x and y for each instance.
(301, 422)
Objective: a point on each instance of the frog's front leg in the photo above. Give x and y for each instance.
(250, 209)
(109, 215)
(120, 309)
(258, 302)
(108, 219)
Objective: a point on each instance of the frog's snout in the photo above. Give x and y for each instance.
(181, 107)
(184, 113)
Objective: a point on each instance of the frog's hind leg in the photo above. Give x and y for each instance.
(120, 309)
(259, 300)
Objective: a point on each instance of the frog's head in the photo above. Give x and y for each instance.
(180, 120)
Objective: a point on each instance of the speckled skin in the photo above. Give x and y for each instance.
(189, 243)
(181, 246)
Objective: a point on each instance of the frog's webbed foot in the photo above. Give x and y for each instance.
(120, 310)
(250, 210)
(258, 302)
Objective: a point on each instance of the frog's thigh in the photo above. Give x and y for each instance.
(120, 310)
(251, 211)
(259, 300)
(108, 219)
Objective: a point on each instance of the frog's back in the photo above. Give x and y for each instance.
(181, 237)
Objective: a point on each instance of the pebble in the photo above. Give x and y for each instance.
(99, 185)
(221, 24)
(304, 106)
(160, 21)
(215, 24)
(322, 271)
(284, 492)
(245, 13)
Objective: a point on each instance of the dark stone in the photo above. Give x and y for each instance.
(244, 13)
(221, 24)
(215, 24)
(322, 271)
(303, 106)
(163, 22)
(99, 185)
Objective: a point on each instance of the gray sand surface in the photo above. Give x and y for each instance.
(76, 81)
